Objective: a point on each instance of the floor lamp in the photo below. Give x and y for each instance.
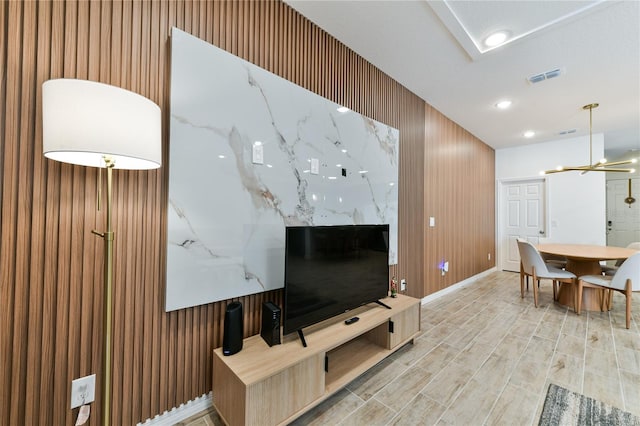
(97, 125)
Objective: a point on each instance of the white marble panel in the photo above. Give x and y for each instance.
(227, 213)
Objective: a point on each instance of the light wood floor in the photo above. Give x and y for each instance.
(486, 356)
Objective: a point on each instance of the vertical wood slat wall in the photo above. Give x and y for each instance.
(51, 265)
(459, 193)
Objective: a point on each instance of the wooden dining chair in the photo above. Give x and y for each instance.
(550, 259)
(611, 270)
(626, 281)
(532, 264)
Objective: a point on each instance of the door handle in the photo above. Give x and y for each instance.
(541, 232)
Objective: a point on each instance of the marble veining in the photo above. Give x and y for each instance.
(251, 153)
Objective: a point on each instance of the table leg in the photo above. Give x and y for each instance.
(591, 297)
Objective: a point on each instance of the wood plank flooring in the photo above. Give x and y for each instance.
(486, 357)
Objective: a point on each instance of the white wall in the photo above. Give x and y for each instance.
(576, 203)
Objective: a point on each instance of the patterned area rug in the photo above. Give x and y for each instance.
(563, 407)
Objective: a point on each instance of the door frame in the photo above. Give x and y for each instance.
(500, 217)
(635, 184)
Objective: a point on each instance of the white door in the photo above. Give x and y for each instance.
(522, 215)
(623, 220)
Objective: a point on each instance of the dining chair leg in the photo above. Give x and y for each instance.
(522, 281)
(535, 289)
(610, 299)
(555, 291)
(628, 294)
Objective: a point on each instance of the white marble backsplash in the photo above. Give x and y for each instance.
(227, 209)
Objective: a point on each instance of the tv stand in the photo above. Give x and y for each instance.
(301, 336)
(274, 385)
(383, 304)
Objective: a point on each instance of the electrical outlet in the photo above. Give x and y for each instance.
(83, 391)
(403, 285)
(488, 256)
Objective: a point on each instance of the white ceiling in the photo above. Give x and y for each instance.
(431, 47)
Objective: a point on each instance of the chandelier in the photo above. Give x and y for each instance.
(599, 166)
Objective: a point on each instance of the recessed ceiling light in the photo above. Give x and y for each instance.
(529, 134)
(495, 39)
(343, 109)
(504, 104)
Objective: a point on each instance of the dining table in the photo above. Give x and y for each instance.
(584, 259)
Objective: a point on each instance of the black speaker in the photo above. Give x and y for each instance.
(233, 326)
(270, 323)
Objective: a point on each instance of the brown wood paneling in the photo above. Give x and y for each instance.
(50, 264)
(459, 194)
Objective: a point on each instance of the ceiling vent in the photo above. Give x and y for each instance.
(567, 132)
(537, 78)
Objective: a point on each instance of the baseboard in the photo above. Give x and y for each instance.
(457, 286)
(184, 411)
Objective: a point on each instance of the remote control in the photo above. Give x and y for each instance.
(351, 320)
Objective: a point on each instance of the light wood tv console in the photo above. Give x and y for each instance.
(262, 385)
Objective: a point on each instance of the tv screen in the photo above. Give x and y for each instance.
(332, 269)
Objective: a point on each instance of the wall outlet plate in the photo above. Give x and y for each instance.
(83, 391)
(403, 285)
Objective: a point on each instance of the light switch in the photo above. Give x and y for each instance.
(258, 154)
(315, 166)
(432, 221)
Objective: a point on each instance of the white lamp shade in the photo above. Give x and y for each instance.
(82, 121)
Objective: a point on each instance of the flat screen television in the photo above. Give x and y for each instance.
(332, 269)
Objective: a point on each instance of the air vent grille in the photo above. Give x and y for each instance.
(537, 78)
(567, 132)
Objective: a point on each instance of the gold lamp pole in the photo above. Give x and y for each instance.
(600, 166)
(108, 237)
(97, 125)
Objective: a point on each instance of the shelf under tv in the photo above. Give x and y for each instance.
(274, 385)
